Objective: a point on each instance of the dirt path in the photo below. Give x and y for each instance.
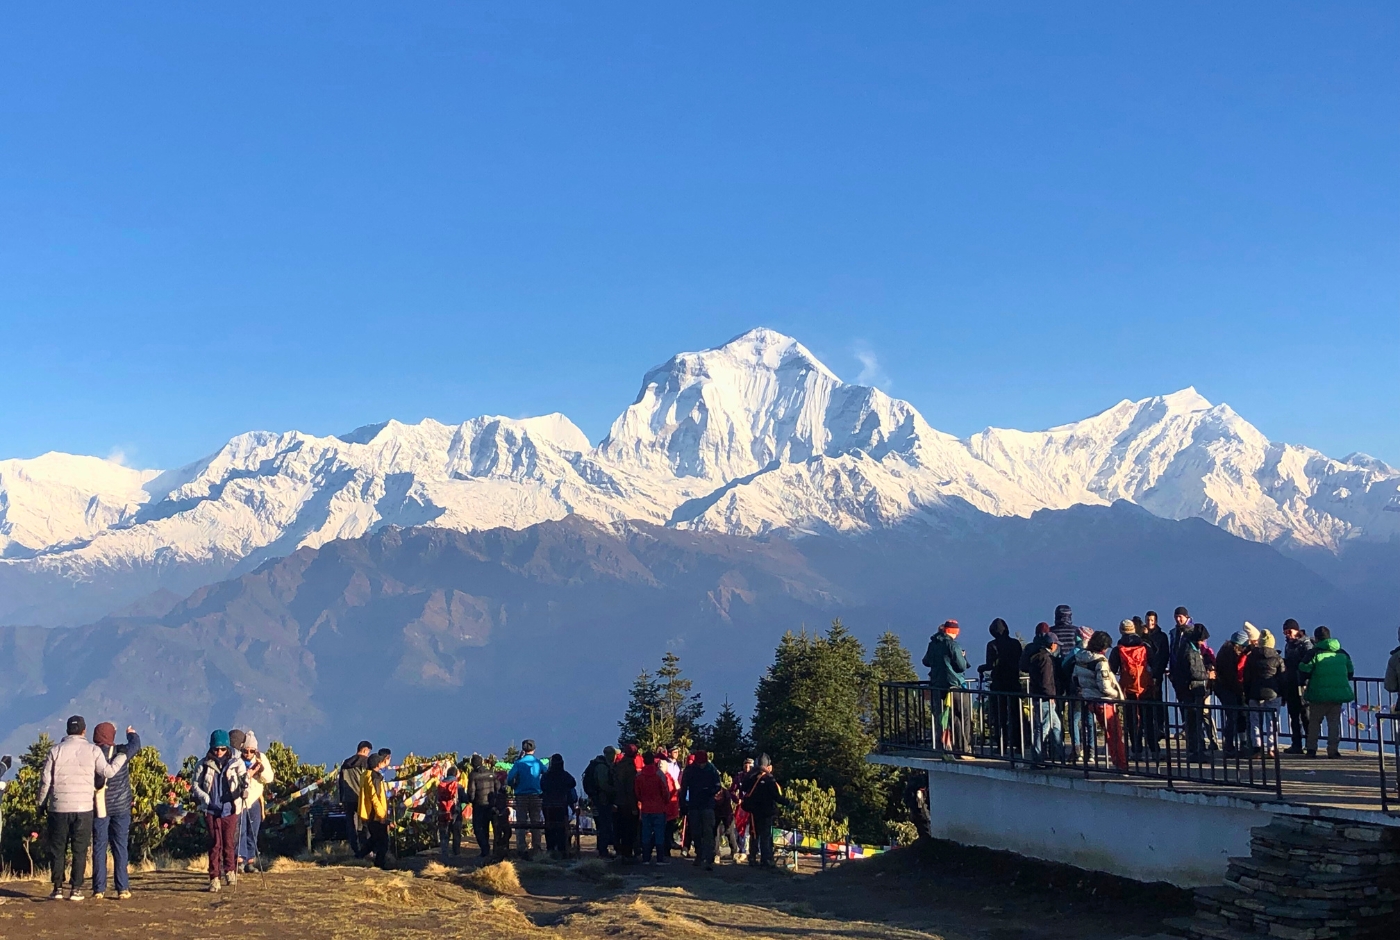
(943, 892)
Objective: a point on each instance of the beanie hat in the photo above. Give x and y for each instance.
(1240, 638)
(218, 739)
(950, 625)
(1182, 612)
(1084, 633)
(1291, 624)
(105, 734)
(702, 756)
(1266, 639)
(1042, 628)
(236, 739)
(1127, 626)
(250, 741)
(1252, 630)
(76, 725)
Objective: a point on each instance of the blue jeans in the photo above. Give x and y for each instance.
(110, 832)
(653, 834)
(249, 824)
(1047, 742)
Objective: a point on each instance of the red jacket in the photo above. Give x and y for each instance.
(654, 789)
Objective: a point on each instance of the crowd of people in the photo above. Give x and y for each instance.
(1070, 686)
(643, 806)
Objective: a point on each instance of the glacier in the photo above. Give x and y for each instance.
(755, 437)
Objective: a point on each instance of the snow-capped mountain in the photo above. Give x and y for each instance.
(752, 437)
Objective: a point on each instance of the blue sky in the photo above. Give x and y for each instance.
(315, 217)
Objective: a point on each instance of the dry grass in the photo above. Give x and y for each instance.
(10, 875)
(598, 872)
(500, 878)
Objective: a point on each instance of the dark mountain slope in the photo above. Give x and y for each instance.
(427, 638)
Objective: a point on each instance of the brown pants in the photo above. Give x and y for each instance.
(1332, 711)
(223, 844)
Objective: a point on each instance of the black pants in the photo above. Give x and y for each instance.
(69, 829)
(763, 834)
(450, 831)
(625, 829)
(378, 833)
(1006, 720)
(481, 827)
(556, 828)
(1193, 715)
(1140, 715)
(1297, 717)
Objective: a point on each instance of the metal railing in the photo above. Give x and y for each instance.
(1388, 757)
(1198, 742)
(1358, 716)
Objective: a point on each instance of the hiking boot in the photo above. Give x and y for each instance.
(230, 878)
(56, 894)
(98, 895)
(214, 886)
(124, 895)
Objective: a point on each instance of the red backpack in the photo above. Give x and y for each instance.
(446, 796)
(1133, 674)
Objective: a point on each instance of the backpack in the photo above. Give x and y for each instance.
(1133, 671)
(590, 778)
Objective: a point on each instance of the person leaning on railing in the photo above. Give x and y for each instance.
(1097, 685)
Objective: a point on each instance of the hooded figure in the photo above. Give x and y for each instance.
(1003, 658)
(1392, 674)
(1063, 627)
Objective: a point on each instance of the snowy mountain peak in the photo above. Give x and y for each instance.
(754, 436)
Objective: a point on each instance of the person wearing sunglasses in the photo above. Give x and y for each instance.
(221, 788)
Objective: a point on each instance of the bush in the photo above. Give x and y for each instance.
(20, 806)
(813, 811)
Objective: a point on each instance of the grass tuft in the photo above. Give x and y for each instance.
(500, 878)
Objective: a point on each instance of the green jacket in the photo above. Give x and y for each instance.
(1327, 674)
(946, 662)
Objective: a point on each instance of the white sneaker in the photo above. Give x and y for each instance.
(56, 895)
(213, 885)
(98, 895)
(75, 896)
(124, 895)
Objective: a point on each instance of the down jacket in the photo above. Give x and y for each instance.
(70, 774)
(117, 792)
(1094, 677)
(259, 776)
(215, 785)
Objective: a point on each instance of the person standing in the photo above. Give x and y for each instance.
(700, 785)
(68, 790)
(1263, 685)
(1047, 742)
(111, 827)
(1392, 675)
(1297, 648)
(559, 795)
(524, 779)
(259, 771)
(481, 787)
(1229, 688)
(653, 789)
(1326, 687)
(1159, 660)
(1130, 661)
(220, 787)
(373, 811)
(352, 771)
(597, 784)
(1003, 663)
(1189, 677)
(762, 801)
(448, 815)
(1063, 627)
(626, 819)
(726, 801)
(1097, 685)
(741, 816)
(946, 663)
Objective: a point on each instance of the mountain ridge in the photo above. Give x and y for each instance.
(755, 437)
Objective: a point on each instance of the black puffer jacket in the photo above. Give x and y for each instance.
(1043, 669)
(1188, 668)
(1003, 659)
(1263, 674)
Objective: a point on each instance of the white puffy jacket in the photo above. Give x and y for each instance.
(70, 774)
(1094, 677)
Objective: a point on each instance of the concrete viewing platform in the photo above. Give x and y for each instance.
(1137, 827)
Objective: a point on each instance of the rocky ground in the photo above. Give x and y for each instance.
(939, 891)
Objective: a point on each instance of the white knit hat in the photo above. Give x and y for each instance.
(250, 740)
(1252, 630)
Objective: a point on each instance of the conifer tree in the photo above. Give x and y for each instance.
(726, 741)
(679, 705)
(890, 662)
(809, 717)
(643, 702)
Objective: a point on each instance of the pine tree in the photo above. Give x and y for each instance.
(681, 707)
(809, 718)
(891, 662)
(726, 741)
(643, 703)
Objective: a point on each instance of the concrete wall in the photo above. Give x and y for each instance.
(1143, 833)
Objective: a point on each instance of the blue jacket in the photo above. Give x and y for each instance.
(524, 776)
(119, 784)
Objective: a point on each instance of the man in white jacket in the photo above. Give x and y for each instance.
(69, 783)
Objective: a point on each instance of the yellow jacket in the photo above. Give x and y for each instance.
(374, 799)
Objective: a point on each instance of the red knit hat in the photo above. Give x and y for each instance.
(105, 734)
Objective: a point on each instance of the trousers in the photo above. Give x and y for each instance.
(223, 843)
(701, 823)
(69, 830)
(250, 824)
(481, 827)
(1332, 712)
(112, 831)
(653, 834)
